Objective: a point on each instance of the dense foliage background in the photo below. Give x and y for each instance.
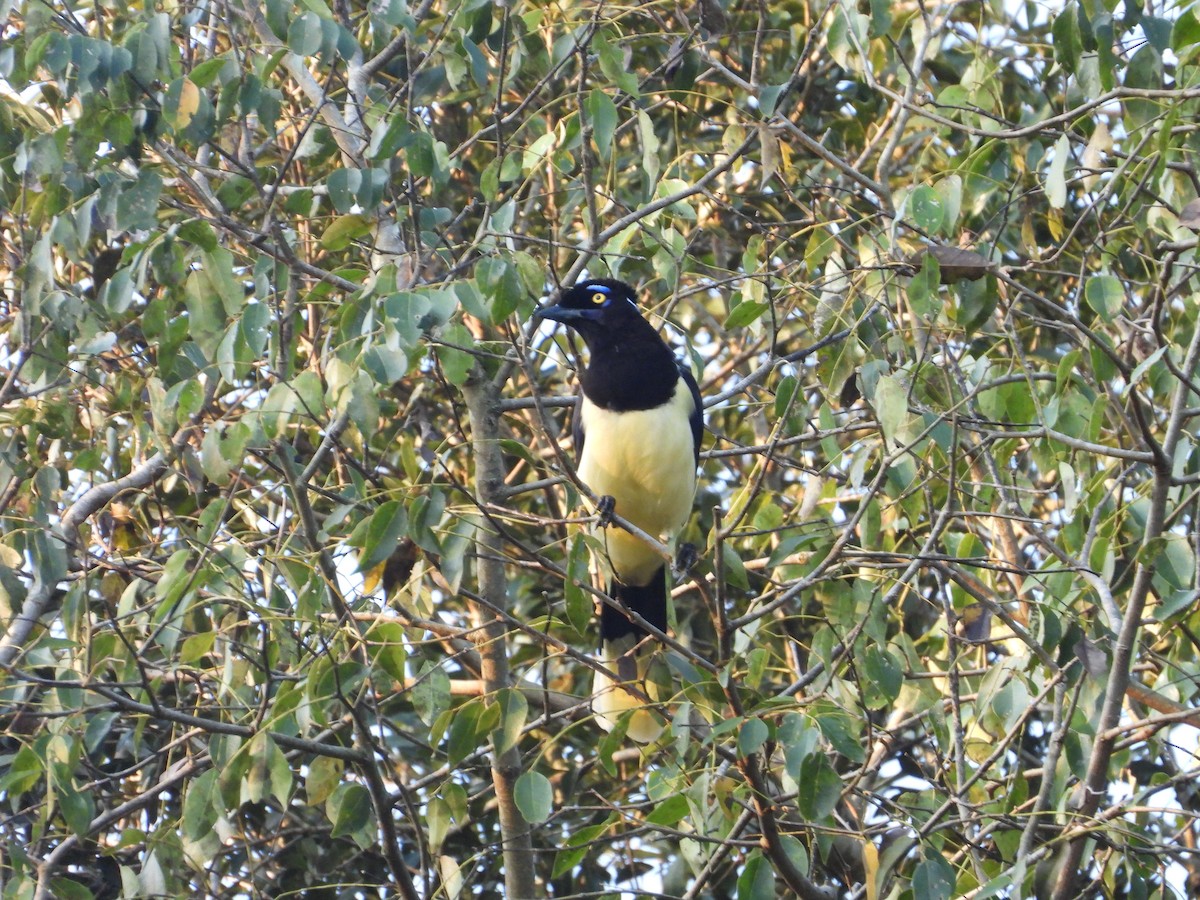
(293, 591)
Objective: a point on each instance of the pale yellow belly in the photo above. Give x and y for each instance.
(644, 461)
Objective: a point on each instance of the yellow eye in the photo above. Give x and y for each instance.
(599, 297)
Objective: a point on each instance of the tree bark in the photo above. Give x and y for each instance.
(483, 407)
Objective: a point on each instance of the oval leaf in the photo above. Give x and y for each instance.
(534, 796)
(925, 209)
(1105, 295)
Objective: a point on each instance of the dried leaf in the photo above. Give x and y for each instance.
(1189, 216)
(954, 263)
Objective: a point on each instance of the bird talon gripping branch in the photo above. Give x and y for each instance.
(637, 431)
(685, 558)
(605, 507)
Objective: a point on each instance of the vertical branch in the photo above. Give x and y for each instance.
(765, 807)
(1095, 784)
(372, 776)
(483, 409)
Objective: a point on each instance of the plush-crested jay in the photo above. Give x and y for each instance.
(637, 430)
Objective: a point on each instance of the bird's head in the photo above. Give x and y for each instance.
(593, 307)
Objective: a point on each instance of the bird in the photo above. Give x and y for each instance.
(637, 429)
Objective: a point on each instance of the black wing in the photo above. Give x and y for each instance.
(577, 426)
(696, 419)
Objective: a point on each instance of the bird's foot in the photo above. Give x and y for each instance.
(685, 557)
(605, 507)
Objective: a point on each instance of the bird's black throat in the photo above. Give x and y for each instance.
(630, 372)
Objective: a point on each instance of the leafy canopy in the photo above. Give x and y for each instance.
(293, 592)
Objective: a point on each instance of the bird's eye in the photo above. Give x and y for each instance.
(599, 297)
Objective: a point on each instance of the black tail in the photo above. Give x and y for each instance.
(648, 600)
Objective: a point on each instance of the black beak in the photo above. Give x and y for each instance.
(556, 313)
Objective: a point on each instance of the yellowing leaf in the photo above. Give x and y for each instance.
(345, 229)
(189, 102)
(871, 869)
(1054, 221)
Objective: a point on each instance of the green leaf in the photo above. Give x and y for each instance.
(735, 569)
(821, 244)
(498, 278)
(456, 361)
(651, 145)
(420, 155)
(431, 694)
(202, 806)
(345, 229)
(795, 852)
(745, 313)
(349, 809)
(1105, 295)
(406, 313)
(934, 879)
(279, 772)
(752, 735)
(387, 646)
(278, 409)
(386, 526)
(819, 787)
(1068, 43)
(577, 846)
(891, 405)
(603, 114)
(669, 811)
(924, 288)
(200, 233)
(577, 600)
(1185, 33)
(465, 737)
(343, 185)
(1175, 564)
(137, 207)
(949, 189)
(1146, 365)
(514, 711)
(97, 344)
(424, 516)
(67, 889)
(207, 72)
(174, 579)
(768, 98)
(489, 182)
(757, 879)
(799, 740)
(78, 807)
(437, 819)
(884, 677)
(847, 36)
(926, 209)
(534, 796)
(1145, 70)
(253, 331)
(612, 64)
(480, 70)
(305, 34)
(976, 303)
(1158, 32)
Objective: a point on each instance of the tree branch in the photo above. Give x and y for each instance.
(483, 409)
